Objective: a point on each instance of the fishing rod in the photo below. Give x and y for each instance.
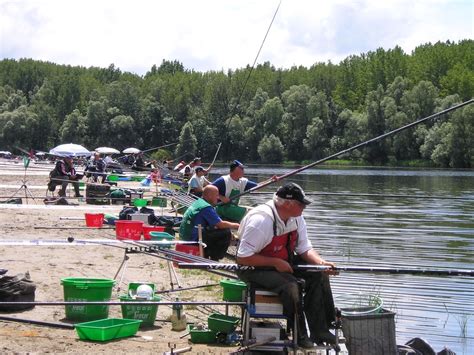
(296, 171)
(215, 155)
(437, 197)
(122, 303)
(321, 268)
(71, 241)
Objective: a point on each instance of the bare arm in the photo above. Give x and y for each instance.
(227, 224)
(260, 260)
(313, 258)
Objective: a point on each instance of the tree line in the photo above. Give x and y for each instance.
(266, 115)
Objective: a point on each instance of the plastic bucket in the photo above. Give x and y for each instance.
(94, 220)
(113, 178)
(85, 290)
(140, 202)
(145, 313)
(147, 229)
(128, 229)
(187, 249)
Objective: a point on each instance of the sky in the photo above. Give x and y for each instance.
(218, 35)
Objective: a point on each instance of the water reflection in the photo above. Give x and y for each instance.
(405, 231)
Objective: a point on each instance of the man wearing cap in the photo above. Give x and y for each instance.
(215, 232)
(63, 174)
(231, 185)
(274, 235)
(197, 182)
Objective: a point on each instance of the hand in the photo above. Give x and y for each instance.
(282, 265)
(274, 178)
(225, 199)
(330, 271)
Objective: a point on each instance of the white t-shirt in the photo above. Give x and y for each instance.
(256, 230)
(196, 182)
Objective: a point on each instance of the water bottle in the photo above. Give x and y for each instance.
(178, 318)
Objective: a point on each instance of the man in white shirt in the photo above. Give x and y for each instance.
(274, 235)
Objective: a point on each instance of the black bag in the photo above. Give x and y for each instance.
(126, 211)
(17, 288)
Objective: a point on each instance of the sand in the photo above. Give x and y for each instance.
(47, 265)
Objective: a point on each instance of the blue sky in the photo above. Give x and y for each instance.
(221, 34)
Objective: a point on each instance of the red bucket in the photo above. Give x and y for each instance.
(147, 229)
(188, 249)
(94, 220)
(128, 229)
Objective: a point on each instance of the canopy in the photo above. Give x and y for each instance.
(131, 151)
(107, 150)
(71, 149)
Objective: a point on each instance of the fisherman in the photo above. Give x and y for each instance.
(197, 182)
(63, 174)
(216, 233)
(96, 168)
(274, 235)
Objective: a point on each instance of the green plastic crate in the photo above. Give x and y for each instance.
(222, 323)
(107, 329)
(234, 290)
(140, 202)
(202, 336)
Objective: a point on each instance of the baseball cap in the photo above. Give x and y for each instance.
(198, 169)
(292, 191)
(236, 164)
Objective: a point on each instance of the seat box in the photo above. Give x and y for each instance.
(267, 302)
(261, 330)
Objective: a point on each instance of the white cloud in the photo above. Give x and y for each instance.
(219, 34)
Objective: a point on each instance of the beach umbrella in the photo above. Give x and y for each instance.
(5, 152)
(131, 151)
(71, 149)
(107, 150)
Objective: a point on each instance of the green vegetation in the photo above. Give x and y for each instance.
(282, 115)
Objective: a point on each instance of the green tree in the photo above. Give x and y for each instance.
(270, 149)
(187, 141)
(74, 128)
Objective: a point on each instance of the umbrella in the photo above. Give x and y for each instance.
(5, 152)
(131, 151)
(74, 150)
(107, 150)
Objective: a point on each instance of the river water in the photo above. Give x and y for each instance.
(395, 218)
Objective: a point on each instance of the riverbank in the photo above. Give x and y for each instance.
(47, 265)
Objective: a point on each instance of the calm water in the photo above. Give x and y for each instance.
(411, 230)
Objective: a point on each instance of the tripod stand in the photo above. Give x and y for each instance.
(28, 194)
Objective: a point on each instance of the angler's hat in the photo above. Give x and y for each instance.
(292, 191)
(236, 164)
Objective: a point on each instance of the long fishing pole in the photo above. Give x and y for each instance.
(296, 171)
(215, 155)
(320, 268)
(122, 303)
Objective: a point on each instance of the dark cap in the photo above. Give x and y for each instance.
(198, 169)
(236, 164)
(196, 159)
(292, 191)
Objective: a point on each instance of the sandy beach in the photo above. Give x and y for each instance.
(47, 265)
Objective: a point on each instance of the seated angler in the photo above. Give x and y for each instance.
(216, 233)
(274, 235)
(63, 174)
(197, 182)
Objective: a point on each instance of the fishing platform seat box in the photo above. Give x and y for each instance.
(97, 194)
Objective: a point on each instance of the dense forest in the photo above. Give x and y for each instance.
(264, 114)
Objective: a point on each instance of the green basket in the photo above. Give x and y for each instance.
(145, 313)
(162, 236)
(159, 202)
(138, 177)
(222, 323)
(202, 336)
(107, 329)
(113, 178)
(234, 290)
(85, 290)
